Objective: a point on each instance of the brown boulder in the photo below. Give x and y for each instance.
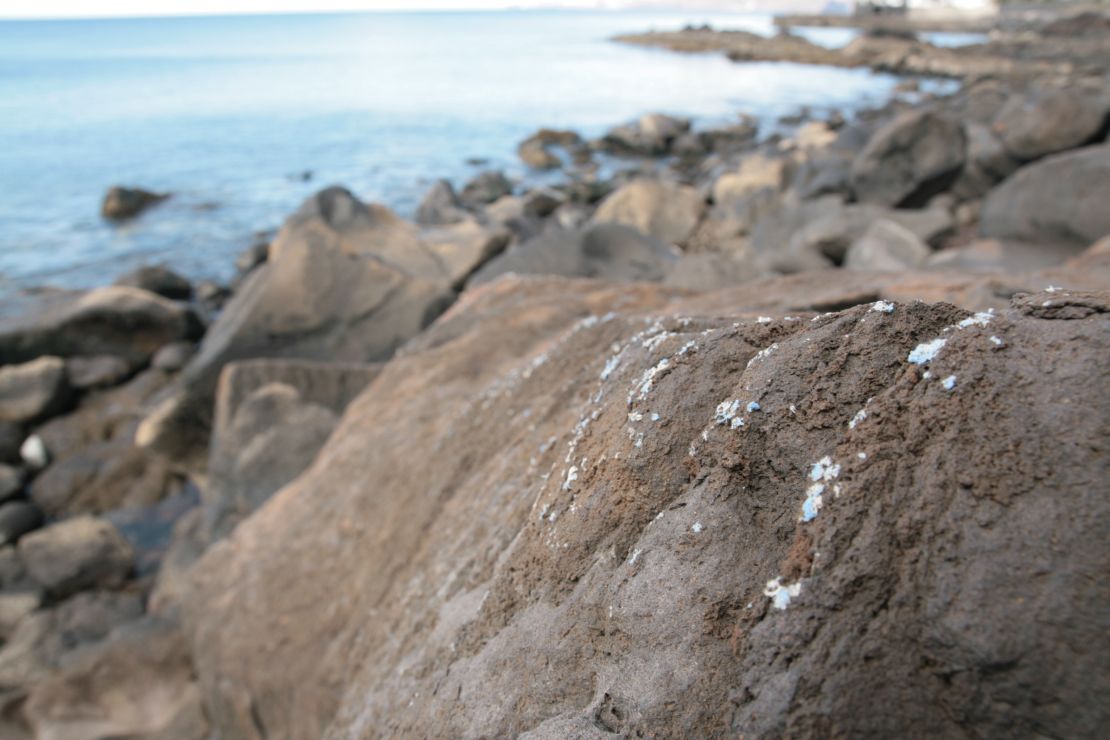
(122, 203)
(654, 523)
(34, 390)
(76, 554)
(663, 210)
(1048, 121)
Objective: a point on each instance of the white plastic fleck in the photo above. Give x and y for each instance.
(572, 476)
(610, 366)
(793, 409)
(949, 382)
(824, 469)
(1052, 289)
(923, 353)
(635, 416)
(996, 341)
(781, 595)
(753, 406)
(654, 417)
(860, 416)
(635, 556)
(813, 502)
(882, 307)
(726, 411)
(736, 423)
(764, 319)
(697, 528)
(980, 319)
(861, 455)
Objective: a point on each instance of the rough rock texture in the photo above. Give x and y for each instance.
(127, 322)
(605, 250)
(1049, 121)
(79, 553)
(909, 160)
(1058, 200)
(33, 390)
(663, 210)
(652, 524)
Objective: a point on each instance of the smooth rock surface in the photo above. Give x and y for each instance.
(76, 554)
(33, 390)
(663, 210)
(909, 160)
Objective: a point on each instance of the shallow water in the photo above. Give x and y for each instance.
(226, 112)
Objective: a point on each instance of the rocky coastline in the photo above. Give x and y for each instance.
(716, 432)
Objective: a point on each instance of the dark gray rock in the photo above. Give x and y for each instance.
(911, 159)
(886, 247)
(11, 437)
(159, 280)
(121, 203)
(485, 188)
(17, 518)
(11, 481)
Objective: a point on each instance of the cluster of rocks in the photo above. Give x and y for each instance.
(629, 454)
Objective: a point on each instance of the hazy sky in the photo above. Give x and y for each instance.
(87, 8)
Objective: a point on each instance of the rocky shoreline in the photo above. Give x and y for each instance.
(751, 436)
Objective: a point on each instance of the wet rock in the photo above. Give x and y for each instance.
(912, 158)
(1048, 121)
(158, 280)
(440, 206)
(663, 210)
(536, 150)
(34, 390)
(11, 481)
(173, 357)
(703, 478)
(1057, 200)
(253, 256)
(605, 250)
(136, 684)
(76, 554)
(121, 321)
(886, 246)
(101, 371)
(121, 203)
(17, 518)
(485, 188)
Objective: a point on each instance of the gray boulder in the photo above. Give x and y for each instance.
(485, 188)
(607, 251)
(652, 135)
(34, 390)
(76, 554)
(173, 357)
(345, 281)
(1047, 121)
(440, 206)
(663, 210)
(912, 158)
(886, 247)
(1058, 200)
(11, 481)
(127, 322)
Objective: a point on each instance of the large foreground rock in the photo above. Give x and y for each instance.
(912, 158)
(570, 509)
(1058, 200)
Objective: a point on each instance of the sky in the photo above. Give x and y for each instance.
(108, 8)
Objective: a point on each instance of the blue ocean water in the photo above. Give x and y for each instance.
(225, 112)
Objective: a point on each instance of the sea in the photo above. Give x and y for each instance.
(243, 117)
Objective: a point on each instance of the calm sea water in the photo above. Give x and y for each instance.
(224, 112)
